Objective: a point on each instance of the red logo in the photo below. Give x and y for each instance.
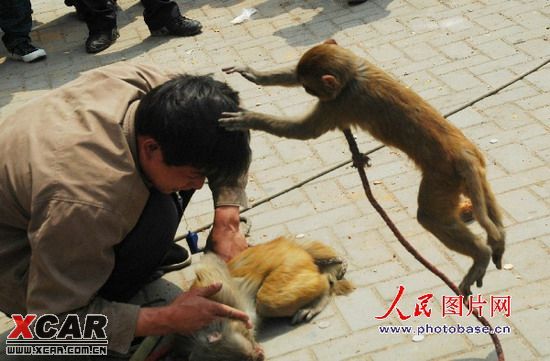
(452, 305)
(50, 335)
(22, 326)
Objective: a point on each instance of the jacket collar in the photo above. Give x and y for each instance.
(128, 127)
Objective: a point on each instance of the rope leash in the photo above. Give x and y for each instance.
(359, 162)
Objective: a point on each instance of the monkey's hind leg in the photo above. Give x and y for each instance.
(497, 244)
(438, 213)
(293, 291)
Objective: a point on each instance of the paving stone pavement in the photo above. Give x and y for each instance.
(450, 52)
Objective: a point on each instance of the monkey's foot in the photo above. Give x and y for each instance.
(307, 313)
(498, 249)
(475, 275)
(465, 290)
(361, 160)
(497, 257)
(497, 260)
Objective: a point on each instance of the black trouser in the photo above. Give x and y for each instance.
(142, 251)
(100, 15)
(15, 21)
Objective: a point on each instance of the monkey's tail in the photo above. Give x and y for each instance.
(341, 287)
(319, 251)
(484, 204)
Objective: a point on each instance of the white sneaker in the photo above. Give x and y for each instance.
(27, 52)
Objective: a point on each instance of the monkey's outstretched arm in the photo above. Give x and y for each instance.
(312, 125)
(283, 77)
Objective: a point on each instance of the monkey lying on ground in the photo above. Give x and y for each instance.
(281, 278)
(353, 92)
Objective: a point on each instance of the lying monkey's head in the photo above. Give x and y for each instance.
(225, 340)
(325, 69)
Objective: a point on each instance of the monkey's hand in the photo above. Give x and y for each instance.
(237, 121)
(247, 73)
(283, 77)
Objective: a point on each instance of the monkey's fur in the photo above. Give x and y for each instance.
(354, 92)
(281, 278)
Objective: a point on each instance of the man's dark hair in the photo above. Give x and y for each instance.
(182, 116)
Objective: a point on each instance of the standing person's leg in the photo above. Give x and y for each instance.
(163, 17)
(16, 23)
(149, 245)
(100, 16)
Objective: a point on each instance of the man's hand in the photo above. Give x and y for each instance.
(188, 313)
(192, 310)
(225, 238)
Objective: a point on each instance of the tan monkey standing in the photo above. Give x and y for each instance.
(354, 92)
(280, 278)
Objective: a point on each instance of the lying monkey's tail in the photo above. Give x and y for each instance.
(319, 251)
(341, 287)
(484, 204)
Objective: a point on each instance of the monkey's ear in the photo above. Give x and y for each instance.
(330, 41)
(214, 336)
(330, 82)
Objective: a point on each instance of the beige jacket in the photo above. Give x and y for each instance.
(70, 190)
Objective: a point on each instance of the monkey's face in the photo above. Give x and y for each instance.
(325, 87)
(230, 341)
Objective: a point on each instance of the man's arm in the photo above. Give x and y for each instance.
(225, 239)
(72, 257)
(229, 194)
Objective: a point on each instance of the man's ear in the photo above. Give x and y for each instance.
(148, 146)
(330, 82)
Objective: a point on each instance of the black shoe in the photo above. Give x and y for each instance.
(176, 258)
(99, 41)
(180, 26)
(356, 2)
(27, 52)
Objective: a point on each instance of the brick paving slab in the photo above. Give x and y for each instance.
(448, 51)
